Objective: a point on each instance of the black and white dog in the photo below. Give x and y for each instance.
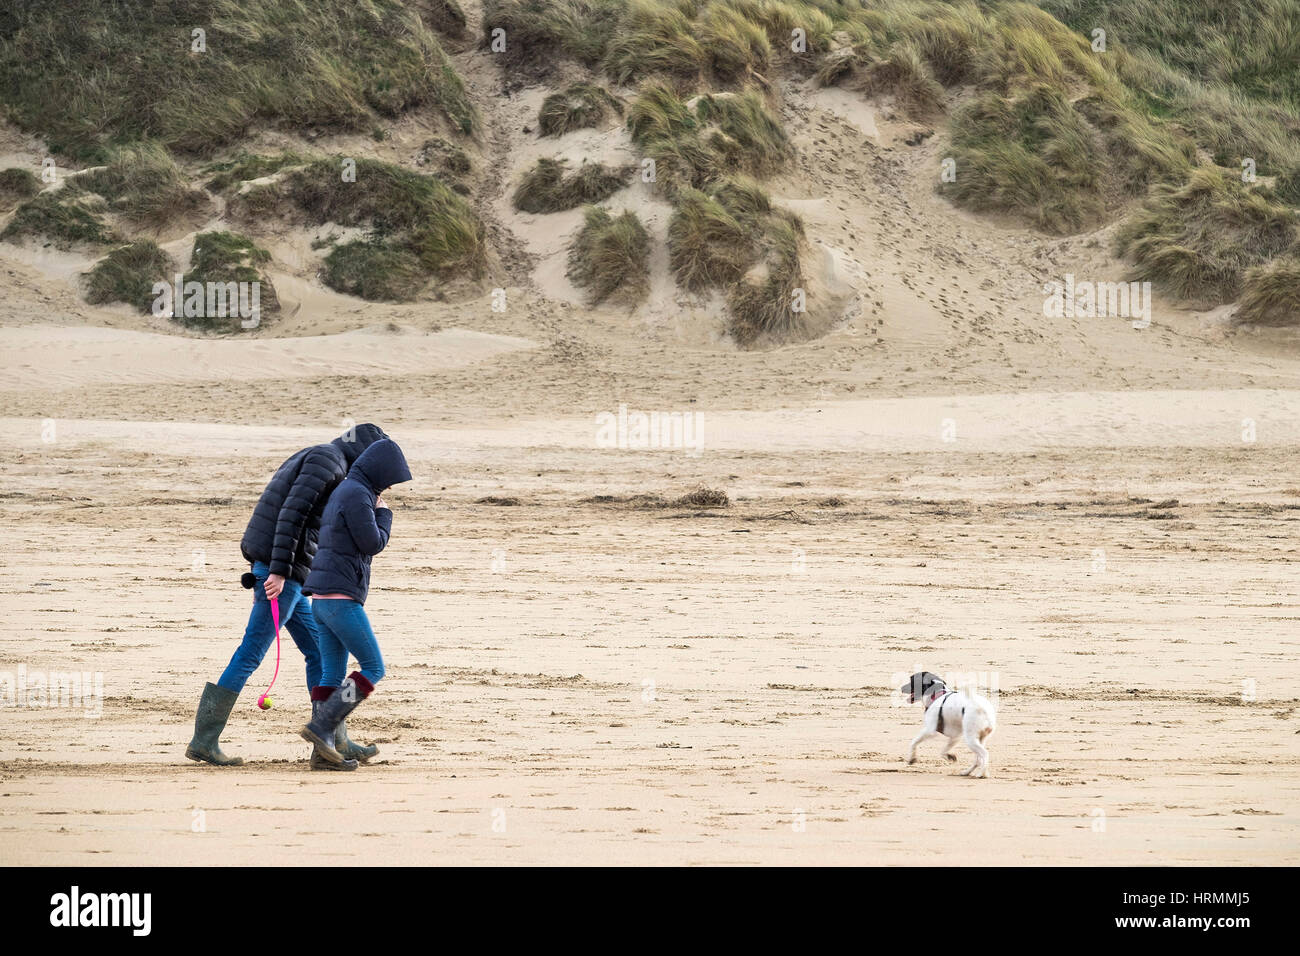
(954, 714)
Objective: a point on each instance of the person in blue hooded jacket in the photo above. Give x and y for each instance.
(354, 528)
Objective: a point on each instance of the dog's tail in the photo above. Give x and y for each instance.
(986, 719)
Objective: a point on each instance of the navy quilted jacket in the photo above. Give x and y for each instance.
(285, 523)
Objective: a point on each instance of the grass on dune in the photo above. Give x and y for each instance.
(445, 16)
(1036, 156)
(221, 258)
(1250, 47)
(780, 18)
(1222, 119)
(682, 162)
(907, 47)
(143, 183)
(762, 302)
(1225, 72)
(655, 37)
(743, 131)
(546, 187)
(693, 145)
(1197, 240)
(1136, 151)
(375, 269)
(1055, 136)
(1271, 294)
(708, 243)
(1053, 133)
(949, 40)
(610, 257)
(232, 173)
(734, 46)
(669, 132)
(127, 274)
(86, 74)
(659, 112)
(140, 183)
(1050, 130)
(62, 217)
(418, 227)
(537, 31)
(904, 72)
(225, 257)
(17, 184)
(715, 236)
(723, 232)
(733, 238)
(1287, 186)
(419, 213)
(633, 40)
(579, 106)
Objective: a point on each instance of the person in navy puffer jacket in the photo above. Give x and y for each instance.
(354, 528)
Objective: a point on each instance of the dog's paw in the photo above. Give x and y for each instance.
(910, 761)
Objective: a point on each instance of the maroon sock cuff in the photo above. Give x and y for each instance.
(322, 693)
(363, 685)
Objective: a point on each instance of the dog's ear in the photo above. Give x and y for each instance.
(916, 686)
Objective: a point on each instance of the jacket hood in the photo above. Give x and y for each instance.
(381, 466)
(357, 439)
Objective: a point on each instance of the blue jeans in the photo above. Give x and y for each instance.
(345, 629)
(295, 617)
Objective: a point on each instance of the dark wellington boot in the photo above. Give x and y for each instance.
(332, 712)
(349, 748)
(210, 720)
(317, 761)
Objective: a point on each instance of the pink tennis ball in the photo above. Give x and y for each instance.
(265, 702)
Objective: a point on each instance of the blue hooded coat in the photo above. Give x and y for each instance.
(352, 529)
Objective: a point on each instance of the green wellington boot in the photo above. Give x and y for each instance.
(210, 720)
